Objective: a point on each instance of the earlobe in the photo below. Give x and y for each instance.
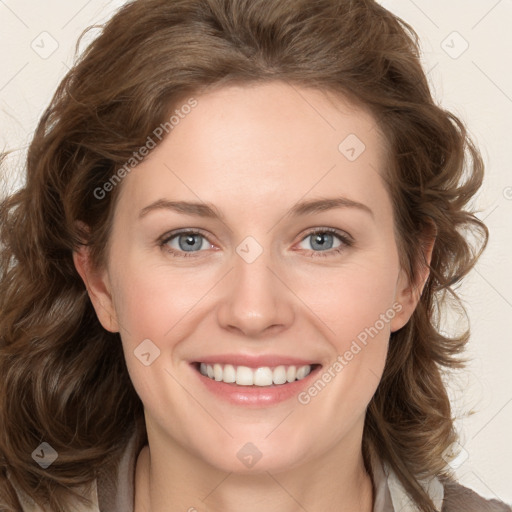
(409, 293)
(98, 287)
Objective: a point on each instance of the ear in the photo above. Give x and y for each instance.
(98, 287)
(408, 293)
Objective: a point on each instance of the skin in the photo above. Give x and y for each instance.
(253, 152)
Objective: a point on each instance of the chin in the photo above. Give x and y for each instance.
(246, 457)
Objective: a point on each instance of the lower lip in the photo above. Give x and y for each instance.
(256, 396)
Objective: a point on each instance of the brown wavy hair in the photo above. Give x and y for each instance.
(63, 377)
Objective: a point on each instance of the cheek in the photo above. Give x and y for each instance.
(152, 301)
(160, 304)
(152, 305)
(344, 387)
(351, 300)
(356, 307)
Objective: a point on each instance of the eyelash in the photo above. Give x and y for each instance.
(345, 239)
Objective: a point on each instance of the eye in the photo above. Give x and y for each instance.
(326, 240)
(181, 243)
(323, 242)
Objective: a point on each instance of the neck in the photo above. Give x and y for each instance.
(170, 479)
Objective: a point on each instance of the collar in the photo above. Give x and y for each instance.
(390, 495)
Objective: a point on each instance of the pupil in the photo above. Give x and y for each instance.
(322, 241)
(188, 242)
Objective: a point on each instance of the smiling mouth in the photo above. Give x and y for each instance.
(263, 376)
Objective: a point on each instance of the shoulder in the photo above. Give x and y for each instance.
(458, 498)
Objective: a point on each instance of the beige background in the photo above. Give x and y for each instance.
(37, 42)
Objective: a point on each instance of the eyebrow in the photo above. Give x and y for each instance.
(210, 211)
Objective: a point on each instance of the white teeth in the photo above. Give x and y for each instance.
(263, 376)
(244, 376)
(229, 373)
(302, 372)
(217, 372)
(279, 375)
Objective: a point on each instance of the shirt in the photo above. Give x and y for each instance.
(115, 493)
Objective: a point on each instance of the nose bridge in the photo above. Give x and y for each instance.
(256, 300)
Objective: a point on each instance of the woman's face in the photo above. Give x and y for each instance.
(257, 238)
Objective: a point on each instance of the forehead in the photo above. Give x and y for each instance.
(267, 145)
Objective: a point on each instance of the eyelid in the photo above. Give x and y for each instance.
(183, 231)
(342, 235)
(167, 237)
(345, 238)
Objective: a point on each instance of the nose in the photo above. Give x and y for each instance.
(256, 301)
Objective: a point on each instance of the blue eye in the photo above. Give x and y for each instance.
(185, 242)
(326, 240)
(322, 242)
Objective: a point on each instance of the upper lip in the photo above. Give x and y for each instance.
(253, 361)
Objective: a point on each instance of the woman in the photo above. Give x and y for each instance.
(219, 284)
